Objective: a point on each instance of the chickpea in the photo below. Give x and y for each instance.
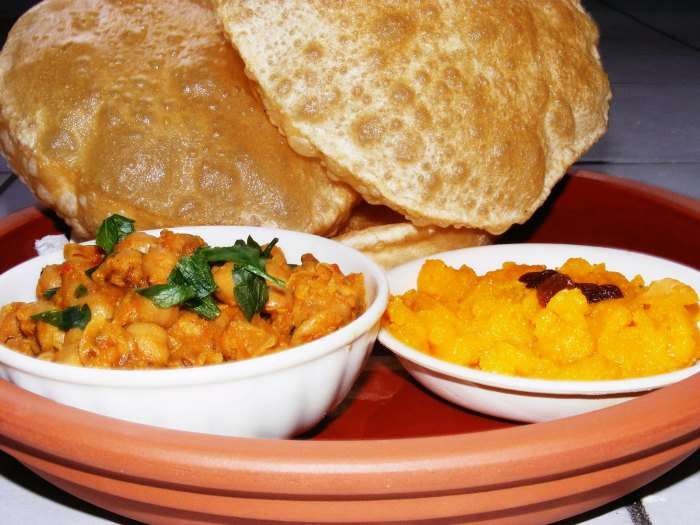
(9, 324)
(124, 268)
(189, 338)
(279, 300)
(106, 344)
(242, 340)
(80, 256)
(69, 353)
(136, 308)
(27, 325)
(308, 261)
(277, 265)
(157, 264)
(139, 241)
(180, 243)
(24, 345)
(50, 278)
(73, 281)
(152, 342)
(103, 302)
(223, 277)
(49, 337)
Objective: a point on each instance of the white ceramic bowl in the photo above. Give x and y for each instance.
(519, 398)
(271, 396)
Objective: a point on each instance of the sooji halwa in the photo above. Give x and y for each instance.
(139, 301)
(581, 322)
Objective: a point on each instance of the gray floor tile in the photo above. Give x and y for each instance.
(634, 53)
(673, 499)
(616, 517)
(680, 18)
(651, 123)
(15, 197)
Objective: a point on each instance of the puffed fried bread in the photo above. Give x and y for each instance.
(142, 108)
(453, 113)
(390, 240)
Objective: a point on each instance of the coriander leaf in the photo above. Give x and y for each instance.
(167, 295)
(262, 273)
(194, 271)
(71, 317)
(176, 277)
(48, 294)
(250, 242)
(247, 255)
(250, 291)
(90, 271)
(205, 307)
(80, 291)
(238, 254)
(112, 230)
(268, 249)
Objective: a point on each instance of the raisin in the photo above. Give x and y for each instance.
(599, 292)
(533, 279)
(587, 289)
(549, 282)
(553, 284)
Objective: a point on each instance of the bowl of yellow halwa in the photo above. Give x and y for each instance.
(535, 332)
(239, 331)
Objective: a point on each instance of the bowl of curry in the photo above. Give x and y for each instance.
(537, 332)
(226, 330)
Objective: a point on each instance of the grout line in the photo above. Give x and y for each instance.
(638, 513)
(641, 22)
(7, 183)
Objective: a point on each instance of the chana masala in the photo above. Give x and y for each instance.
(580, 322)
(135, 300)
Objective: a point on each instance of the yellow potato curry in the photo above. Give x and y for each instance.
(140, 301)
(581, 322)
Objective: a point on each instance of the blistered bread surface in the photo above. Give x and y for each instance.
(142, 107)
(451, 112)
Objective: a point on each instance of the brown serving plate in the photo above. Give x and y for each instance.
(392, 453)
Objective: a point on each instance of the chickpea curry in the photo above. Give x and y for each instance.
(582, 322)
(135, 300)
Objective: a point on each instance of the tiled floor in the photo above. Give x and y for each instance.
(651, 50)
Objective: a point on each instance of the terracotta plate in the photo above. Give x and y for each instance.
(392, 452)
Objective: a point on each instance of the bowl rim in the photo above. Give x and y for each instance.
(234, 370)
(554, 387)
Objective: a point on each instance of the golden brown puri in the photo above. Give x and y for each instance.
(390, 240)
(141, 107)
(450, 112)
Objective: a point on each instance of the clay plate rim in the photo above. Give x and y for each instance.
(666, 419)
(463, 462)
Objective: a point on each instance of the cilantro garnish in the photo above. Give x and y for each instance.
(71, 317)
(48, 294)
(191, 283)
(250, 291)
(80, 291)
(112, 230)
(205, 307)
